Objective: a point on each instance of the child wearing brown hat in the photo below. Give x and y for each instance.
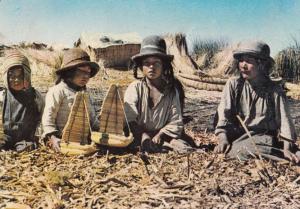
(262, 106)
(22, 105)
(153, 105)
(75, 73)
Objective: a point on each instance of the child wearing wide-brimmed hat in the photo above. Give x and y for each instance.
(73, 76)
(21, 104)
(262, 106)
(153, 105)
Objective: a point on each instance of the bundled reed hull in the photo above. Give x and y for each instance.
(111, 140)
(112, 118)
(74, 148)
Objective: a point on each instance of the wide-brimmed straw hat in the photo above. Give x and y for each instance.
(153, 46)
(77, 57)
(257, 49)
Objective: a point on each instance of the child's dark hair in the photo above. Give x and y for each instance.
(168, 73)
(65, 75)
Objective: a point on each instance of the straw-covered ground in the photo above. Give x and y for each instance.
(43, 179)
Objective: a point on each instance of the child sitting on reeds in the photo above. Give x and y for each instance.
(75, 73)
(22, 105)
(253, 115)
(153, 105)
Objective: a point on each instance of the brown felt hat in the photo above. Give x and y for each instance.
(257, 49)
(77, 57)
(153, 46)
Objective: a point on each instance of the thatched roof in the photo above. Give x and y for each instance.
(102, 40)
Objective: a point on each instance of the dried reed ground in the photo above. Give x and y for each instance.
(42, 179)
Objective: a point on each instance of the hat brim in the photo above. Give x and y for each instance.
(93, 65)
(163, 56)
(238, 54)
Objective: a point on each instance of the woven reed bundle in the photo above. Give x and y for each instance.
(201, 85)
(203, 79)
(77, 128)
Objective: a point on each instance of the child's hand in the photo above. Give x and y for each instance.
(288, 154)
(291, 156)
(157, 139)
(54, 143)
(223, 145)
(147, 144)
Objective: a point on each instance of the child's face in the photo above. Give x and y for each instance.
(152, 67)
(16, 78)
(248, 67)
(82, 76)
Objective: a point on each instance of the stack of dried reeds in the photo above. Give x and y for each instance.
(177, 46)
(288, 64)
(43, 64)
(223, 65)
(205, 50)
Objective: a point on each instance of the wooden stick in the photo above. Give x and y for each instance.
(249, 135)
(263, 166)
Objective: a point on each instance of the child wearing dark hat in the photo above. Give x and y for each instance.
(22, 105)
(153, 105)
(75, 73)
(262, 106)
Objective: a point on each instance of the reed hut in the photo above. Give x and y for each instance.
(110, 50)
